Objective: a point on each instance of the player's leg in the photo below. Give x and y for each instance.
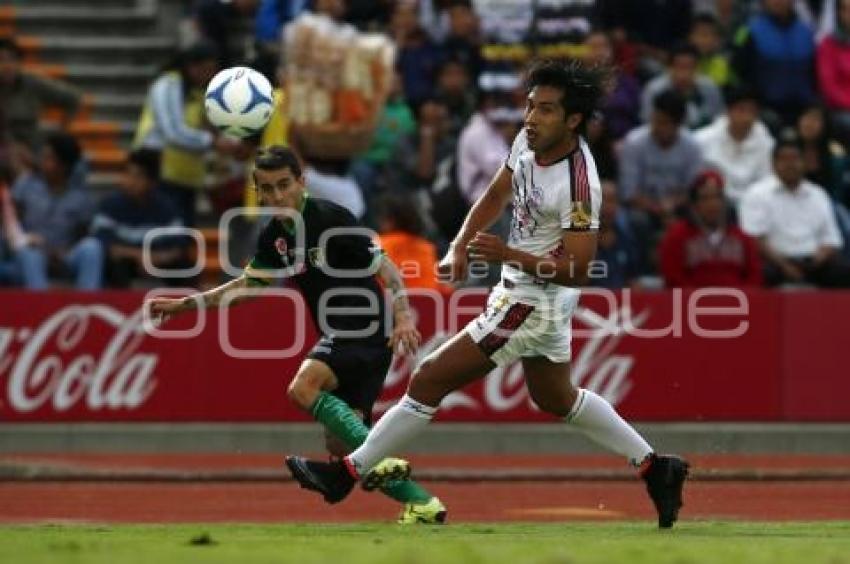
(456, 363)
(338, 386)
(551, 389)
(550, 386)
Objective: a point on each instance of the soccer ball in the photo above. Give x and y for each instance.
(239, 101)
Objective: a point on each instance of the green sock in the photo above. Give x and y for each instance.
(342, 421)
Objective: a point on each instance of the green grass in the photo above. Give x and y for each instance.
(567, 543)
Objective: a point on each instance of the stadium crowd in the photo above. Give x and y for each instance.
(721, 144)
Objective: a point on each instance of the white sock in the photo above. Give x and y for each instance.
(597, 419)
(398, 426)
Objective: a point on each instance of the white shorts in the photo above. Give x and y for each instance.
(512, 327)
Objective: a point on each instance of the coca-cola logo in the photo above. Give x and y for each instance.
(595, 366)
(50, 366)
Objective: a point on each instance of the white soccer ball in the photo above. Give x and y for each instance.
(239, 101)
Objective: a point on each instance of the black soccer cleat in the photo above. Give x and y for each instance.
(664, 479)
(331, 479)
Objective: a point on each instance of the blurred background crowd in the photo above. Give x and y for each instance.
(721, 142)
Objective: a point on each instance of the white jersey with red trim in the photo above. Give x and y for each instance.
(547, 199)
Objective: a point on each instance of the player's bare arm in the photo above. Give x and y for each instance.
(162, 309)
(405, 335)
(453, 267)
(569, 270)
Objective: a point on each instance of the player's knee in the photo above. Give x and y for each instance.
(557, 408)
(301, 393)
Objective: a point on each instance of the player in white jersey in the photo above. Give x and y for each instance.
(550, 177)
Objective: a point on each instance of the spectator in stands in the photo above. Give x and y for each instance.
(774, 53)
(622, 104)
(738, 144)
(418, 155)
(396, 122)
(215, 19)
(55, 209)
(704, 100)
(463, 40)
(418, 56)
(11, 235)
(23, 96)
(402, 237)
(618, 248)
(173, 123)
(833, 65)
(706, 36)
(455, 91)
(659, 161)
(825, 159)
(486, 140)
(793, 220)
(127, 216)
(601, 143)
(654, 27)
(330, 180)
(704, 249)
(273, 15)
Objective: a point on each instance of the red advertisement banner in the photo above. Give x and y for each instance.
(706, 355)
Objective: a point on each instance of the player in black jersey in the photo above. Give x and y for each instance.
(314, 243)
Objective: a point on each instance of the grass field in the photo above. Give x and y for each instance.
(566, 543)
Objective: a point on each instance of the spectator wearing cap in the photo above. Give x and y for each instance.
(24, 95)
(55, 210)
(704, 249)
(659, 161)
(738, 144)
(621, 105)
(485, 142)
(704, 100)
(794, 222)
(126, 217)
(775, 53)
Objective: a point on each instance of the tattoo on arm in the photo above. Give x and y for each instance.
(214, 297)
(393, 282)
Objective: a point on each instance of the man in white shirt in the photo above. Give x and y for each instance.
(550, 177)
(738, 144)
(795, 224)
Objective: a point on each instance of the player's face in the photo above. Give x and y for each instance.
(279, 189)
(545, 123)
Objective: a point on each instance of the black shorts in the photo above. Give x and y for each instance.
(360, 368)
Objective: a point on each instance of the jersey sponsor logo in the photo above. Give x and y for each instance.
(580, 215)
(280, 246)
(316, 256)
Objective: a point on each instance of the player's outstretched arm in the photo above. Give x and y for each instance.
(483, 214)
(161, 309)
(405, 335)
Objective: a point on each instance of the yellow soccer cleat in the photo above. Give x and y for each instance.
(385, 471)
(432, 512)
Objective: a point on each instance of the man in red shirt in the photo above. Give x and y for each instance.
(704, 249)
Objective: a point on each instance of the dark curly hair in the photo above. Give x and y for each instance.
(583, 86)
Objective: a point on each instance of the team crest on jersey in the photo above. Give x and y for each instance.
(280, 246)
(316, 256)
(580, 215)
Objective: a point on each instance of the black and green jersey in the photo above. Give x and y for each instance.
(342, 301)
